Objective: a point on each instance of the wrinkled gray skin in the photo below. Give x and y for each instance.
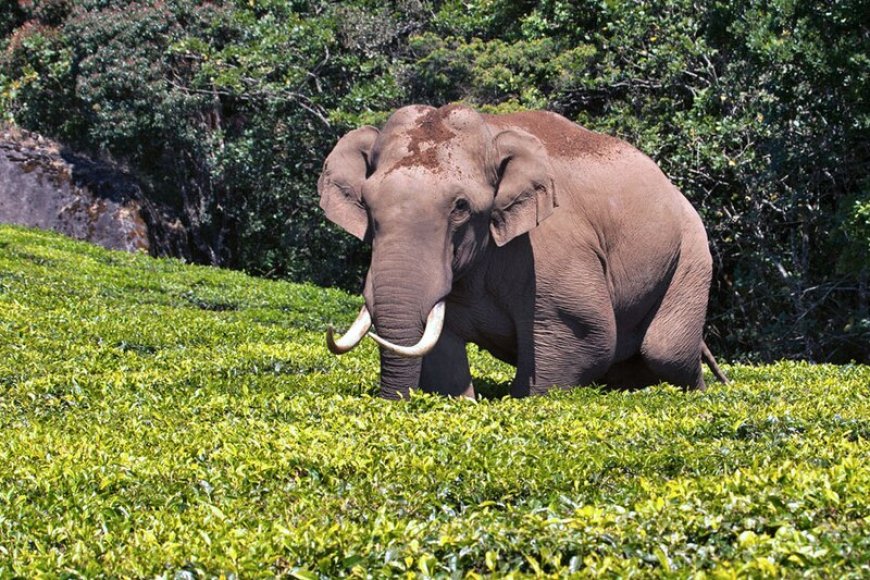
(561, 251)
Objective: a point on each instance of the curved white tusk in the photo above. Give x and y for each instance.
(353, 336)
(434, 325)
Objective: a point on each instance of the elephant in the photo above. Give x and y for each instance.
(564, 252)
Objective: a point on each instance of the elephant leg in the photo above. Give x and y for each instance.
(571, 339)
(628, 375)
(671, 347)
(566, 353)
(669, 361)
(445, 368)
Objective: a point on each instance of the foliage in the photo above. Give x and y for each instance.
(211, 104)
(10, 18)
(757, 110)
(161, 419)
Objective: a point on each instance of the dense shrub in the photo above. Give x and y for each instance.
(757, 110)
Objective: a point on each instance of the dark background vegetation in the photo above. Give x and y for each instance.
(225, 110)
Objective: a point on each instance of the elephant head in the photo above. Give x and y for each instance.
(432, 192)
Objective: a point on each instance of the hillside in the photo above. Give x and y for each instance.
(158, 418)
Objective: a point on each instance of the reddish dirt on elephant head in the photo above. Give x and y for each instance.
(425, 139)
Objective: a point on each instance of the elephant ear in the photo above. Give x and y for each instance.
(525, 195)
(340, 183)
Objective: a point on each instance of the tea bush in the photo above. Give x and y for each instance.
(163, 419)
(757, 109)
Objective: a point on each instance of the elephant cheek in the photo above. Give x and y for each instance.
(468, 246)
(462, 257)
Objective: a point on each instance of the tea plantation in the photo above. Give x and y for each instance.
(160, 419)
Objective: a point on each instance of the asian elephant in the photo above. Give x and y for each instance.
(564, 252)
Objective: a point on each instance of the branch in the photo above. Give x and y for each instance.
(252, 96)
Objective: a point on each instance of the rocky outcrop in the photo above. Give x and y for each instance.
(45, 186)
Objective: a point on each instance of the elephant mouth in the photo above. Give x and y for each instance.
(362, 327)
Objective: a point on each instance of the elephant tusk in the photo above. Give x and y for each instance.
(434, 325)
(353, 336)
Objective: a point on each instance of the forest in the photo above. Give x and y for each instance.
(225, 111)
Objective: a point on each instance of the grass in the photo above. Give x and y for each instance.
(161, 419)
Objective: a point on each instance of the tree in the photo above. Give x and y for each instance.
(756, 109)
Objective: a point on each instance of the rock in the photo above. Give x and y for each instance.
(45, 186)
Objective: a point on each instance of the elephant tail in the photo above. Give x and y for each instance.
(707, 357)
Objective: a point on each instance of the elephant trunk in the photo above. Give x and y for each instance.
(405, 300)
(434, 325)
(400, 324)
(398, 375)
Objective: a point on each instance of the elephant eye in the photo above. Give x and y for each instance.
(461, 206)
